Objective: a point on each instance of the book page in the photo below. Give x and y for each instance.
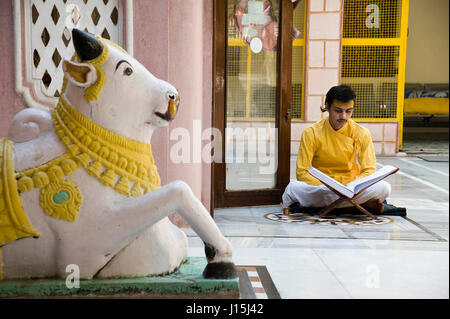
(356, 186)
(359, 184)
(339, 187)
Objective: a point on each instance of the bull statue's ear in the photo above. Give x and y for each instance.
(81, 74)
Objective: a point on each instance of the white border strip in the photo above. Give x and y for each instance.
(17, 46)
(130, 28)
(421, 181)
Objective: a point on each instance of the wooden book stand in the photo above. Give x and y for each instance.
(341, 199)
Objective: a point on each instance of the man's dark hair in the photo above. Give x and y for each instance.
(342, 93)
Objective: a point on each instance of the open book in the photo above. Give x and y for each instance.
(356, 186)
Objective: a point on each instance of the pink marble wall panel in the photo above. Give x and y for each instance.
(376, 130)
(389, 149)
(316, 54)
(390, 132)
(384, 136)
(174, 40)
(332, 51)
(325, 26)
(333, 5)
(385, 145)
(316, 5)
(321, 80)
(294, 147)
(323, 55)
(378, 148)
(297, 131)
(151, 49)
(10, 102)
(208, 28)
(186, 73)
(314, 104)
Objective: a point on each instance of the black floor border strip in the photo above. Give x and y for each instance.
(267, 283)
(245, 286)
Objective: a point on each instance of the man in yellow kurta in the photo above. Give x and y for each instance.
(340, 148)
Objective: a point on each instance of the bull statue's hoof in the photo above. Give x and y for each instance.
(217, 269)
(221, 270)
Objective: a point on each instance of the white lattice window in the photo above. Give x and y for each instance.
(46, 34)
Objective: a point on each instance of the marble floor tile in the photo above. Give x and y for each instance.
(387, 261)
(308, 285)
(388, 285)
(406, 258)
(390, 274)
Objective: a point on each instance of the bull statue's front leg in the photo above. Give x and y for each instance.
(136, 213)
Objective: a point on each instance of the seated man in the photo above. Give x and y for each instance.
(340, 148)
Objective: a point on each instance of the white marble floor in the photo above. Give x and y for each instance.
(406, 258)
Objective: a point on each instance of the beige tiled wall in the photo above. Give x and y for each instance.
(322, 71)
(384, 136)
(323, 54)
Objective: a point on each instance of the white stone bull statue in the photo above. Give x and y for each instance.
(78, 185)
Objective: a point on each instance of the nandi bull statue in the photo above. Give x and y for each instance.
(78, 185)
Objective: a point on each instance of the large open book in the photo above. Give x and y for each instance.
(356, 186)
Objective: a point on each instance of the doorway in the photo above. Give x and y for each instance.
(252, 101)
(426, 106)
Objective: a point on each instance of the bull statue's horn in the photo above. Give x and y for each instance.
(86, 45)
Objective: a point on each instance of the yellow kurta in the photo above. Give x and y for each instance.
(336, 153)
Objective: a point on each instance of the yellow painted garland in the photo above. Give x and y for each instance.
(14, 223)
(119, 162)
(122, 163)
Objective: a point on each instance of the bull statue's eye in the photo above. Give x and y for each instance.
(128, 71)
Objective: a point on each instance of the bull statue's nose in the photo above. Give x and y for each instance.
(174, 101)
(172, 96)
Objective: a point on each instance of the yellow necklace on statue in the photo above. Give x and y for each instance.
(118, 162)
(105, 154)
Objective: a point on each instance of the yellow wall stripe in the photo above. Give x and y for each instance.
(402, 69)
(371, 41)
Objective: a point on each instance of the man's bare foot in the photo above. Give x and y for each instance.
(374, 205)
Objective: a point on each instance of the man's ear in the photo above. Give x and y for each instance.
(81, 74)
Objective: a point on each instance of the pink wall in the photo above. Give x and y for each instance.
(10, 102)
(207, 92)
(173, 39)
(150, 48)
